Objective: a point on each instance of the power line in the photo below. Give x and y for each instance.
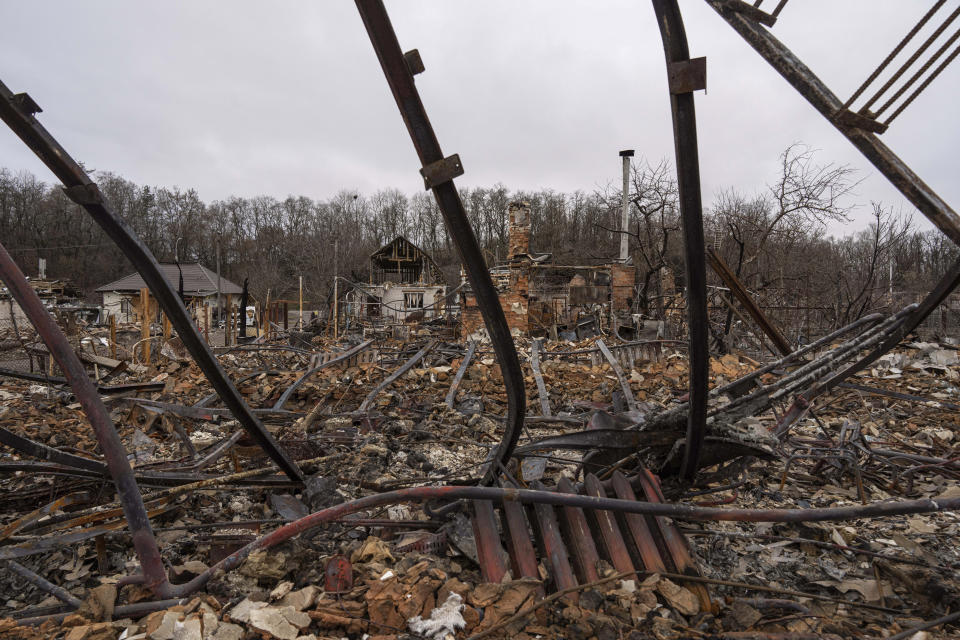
(68, 246)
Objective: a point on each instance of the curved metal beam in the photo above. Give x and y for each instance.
(438, 173)
(688, 180)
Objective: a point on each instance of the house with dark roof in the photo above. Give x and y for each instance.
(121, 297)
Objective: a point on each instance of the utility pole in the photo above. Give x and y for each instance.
(336, 274)
(626, 154)
(219, 309)
(890, 261)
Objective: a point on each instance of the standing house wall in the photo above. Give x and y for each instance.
(393, 301)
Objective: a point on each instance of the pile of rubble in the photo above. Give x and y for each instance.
(429, 569)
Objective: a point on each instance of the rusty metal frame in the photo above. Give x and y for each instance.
(18, 113)
(676, 52)
(816, 92)
(400, 79)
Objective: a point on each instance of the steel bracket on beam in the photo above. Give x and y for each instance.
(436, 173)
(414, 62)
(84, 194)
(25, 104)
(849, 119)
(750, 11)
(687, 76)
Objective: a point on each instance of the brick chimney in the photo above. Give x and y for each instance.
(519, 229)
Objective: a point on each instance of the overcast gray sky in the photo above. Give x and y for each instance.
(234, 97)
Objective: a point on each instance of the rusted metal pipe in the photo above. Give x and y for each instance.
(83, 388)
(528, 496)
(43, 584)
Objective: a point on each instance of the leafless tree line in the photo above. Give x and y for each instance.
(775, 240)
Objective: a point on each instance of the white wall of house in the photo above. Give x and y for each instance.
(113, 304)
(401, 300)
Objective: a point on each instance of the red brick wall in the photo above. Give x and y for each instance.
(623, 278)
(470, 318)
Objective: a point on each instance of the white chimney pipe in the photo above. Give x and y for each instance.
(625, 206)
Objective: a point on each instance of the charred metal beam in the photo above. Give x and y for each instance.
(83, 191)
(346, 355)
(538, 377)
(592, 439)
(944, 287)
(200, 413)
(43, 584)
(398, 75)
(900, 396)
(740, 292)
(104, 389)
(811, 87)
(44, 452)
(618, 371)
(688, 181)
(386, 382)
(467, 358)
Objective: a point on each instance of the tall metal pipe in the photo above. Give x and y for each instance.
(626, 154)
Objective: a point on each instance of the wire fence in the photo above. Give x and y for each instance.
(18, 343)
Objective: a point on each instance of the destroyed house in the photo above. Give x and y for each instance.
(405, 285)
(541, 297)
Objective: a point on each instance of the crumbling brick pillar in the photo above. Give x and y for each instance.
(471, 320)
(518, 220)
(622, 280)
(515, 299)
